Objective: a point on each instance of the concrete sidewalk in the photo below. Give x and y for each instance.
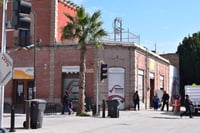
(143, 121)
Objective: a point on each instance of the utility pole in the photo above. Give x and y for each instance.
(6, 63)
(147, 76)
(97, 91)
(3, 50)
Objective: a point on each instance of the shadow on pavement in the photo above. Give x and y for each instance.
(173, 115)
(165, 117)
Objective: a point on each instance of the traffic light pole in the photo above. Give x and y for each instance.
(97, 93)
(101, 75)
(3, 50)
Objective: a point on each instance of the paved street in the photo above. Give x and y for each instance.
(143, 121)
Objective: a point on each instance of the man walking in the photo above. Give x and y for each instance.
(136, 100)
(188, 105)
(165, 100)
(66, 101)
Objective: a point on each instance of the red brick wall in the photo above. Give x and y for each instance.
(42, 72)
(173, 58)
(62, 19)
(42, 9)
(70, 56)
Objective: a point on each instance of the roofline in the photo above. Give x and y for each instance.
(133, 44)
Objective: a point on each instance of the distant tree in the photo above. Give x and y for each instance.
(86, 30)
(189, 59)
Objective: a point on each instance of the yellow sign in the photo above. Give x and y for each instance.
(151, 65)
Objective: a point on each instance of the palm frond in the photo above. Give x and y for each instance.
(71, 18)
(96, 16)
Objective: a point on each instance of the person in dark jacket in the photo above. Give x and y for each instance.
(65, 102)
(156, 102)
(136, 100)
(165, 100)
(188, 105)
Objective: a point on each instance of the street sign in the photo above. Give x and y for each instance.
(6, 68)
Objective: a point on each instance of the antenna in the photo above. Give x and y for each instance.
(118, 28)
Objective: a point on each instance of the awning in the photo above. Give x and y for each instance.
(70, 69)
(23, 73)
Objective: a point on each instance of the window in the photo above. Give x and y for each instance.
(141, 84)
(161, 82)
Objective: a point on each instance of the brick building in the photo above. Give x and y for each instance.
(52, 66)
(173, 58)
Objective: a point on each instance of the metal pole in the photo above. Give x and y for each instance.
(120, 20)
(104, 108)
(34, 89)
(12, 122)
(3, 43)
(3, 50)
(2, 106)
(147, 78)
(97, 93)
(35, 43)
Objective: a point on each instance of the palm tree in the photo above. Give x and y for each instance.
(86, 30)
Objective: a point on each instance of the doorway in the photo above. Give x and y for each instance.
(152, 88)
(23, 90)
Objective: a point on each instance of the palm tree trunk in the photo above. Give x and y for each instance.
(82, 79)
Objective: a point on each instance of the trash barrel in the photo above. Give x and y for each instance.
(37, 112)
(113, 110)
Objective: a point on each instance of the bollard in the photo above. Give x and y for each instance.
(12, 126)
(103, 110)
(27, 110)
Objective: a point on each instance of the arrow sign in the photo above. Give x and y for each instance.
(6, 68)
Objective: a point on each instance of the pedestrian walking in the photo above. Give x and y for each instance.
(88, 104)
(156, 102)
(71, 107)
(188, 105)
(136, 100)
(165, 101)
(65, 102)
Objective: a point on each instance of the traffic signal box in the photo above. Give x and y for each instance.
(104, 71)
(21, 21)
(21, 14)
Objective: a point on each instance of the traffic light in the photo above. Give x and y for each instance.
(104, 71)
(21, 14)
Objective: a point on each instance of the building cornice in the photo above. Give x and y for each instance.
(69, 4)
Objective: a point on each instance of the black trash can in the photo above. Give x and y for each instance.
(37, 112)
(113, 110)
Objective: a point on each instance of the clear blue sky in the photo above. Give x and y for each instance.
(160, 23)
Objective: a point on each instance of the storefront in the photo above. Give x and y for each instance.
(23, 84)
(70, 79)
